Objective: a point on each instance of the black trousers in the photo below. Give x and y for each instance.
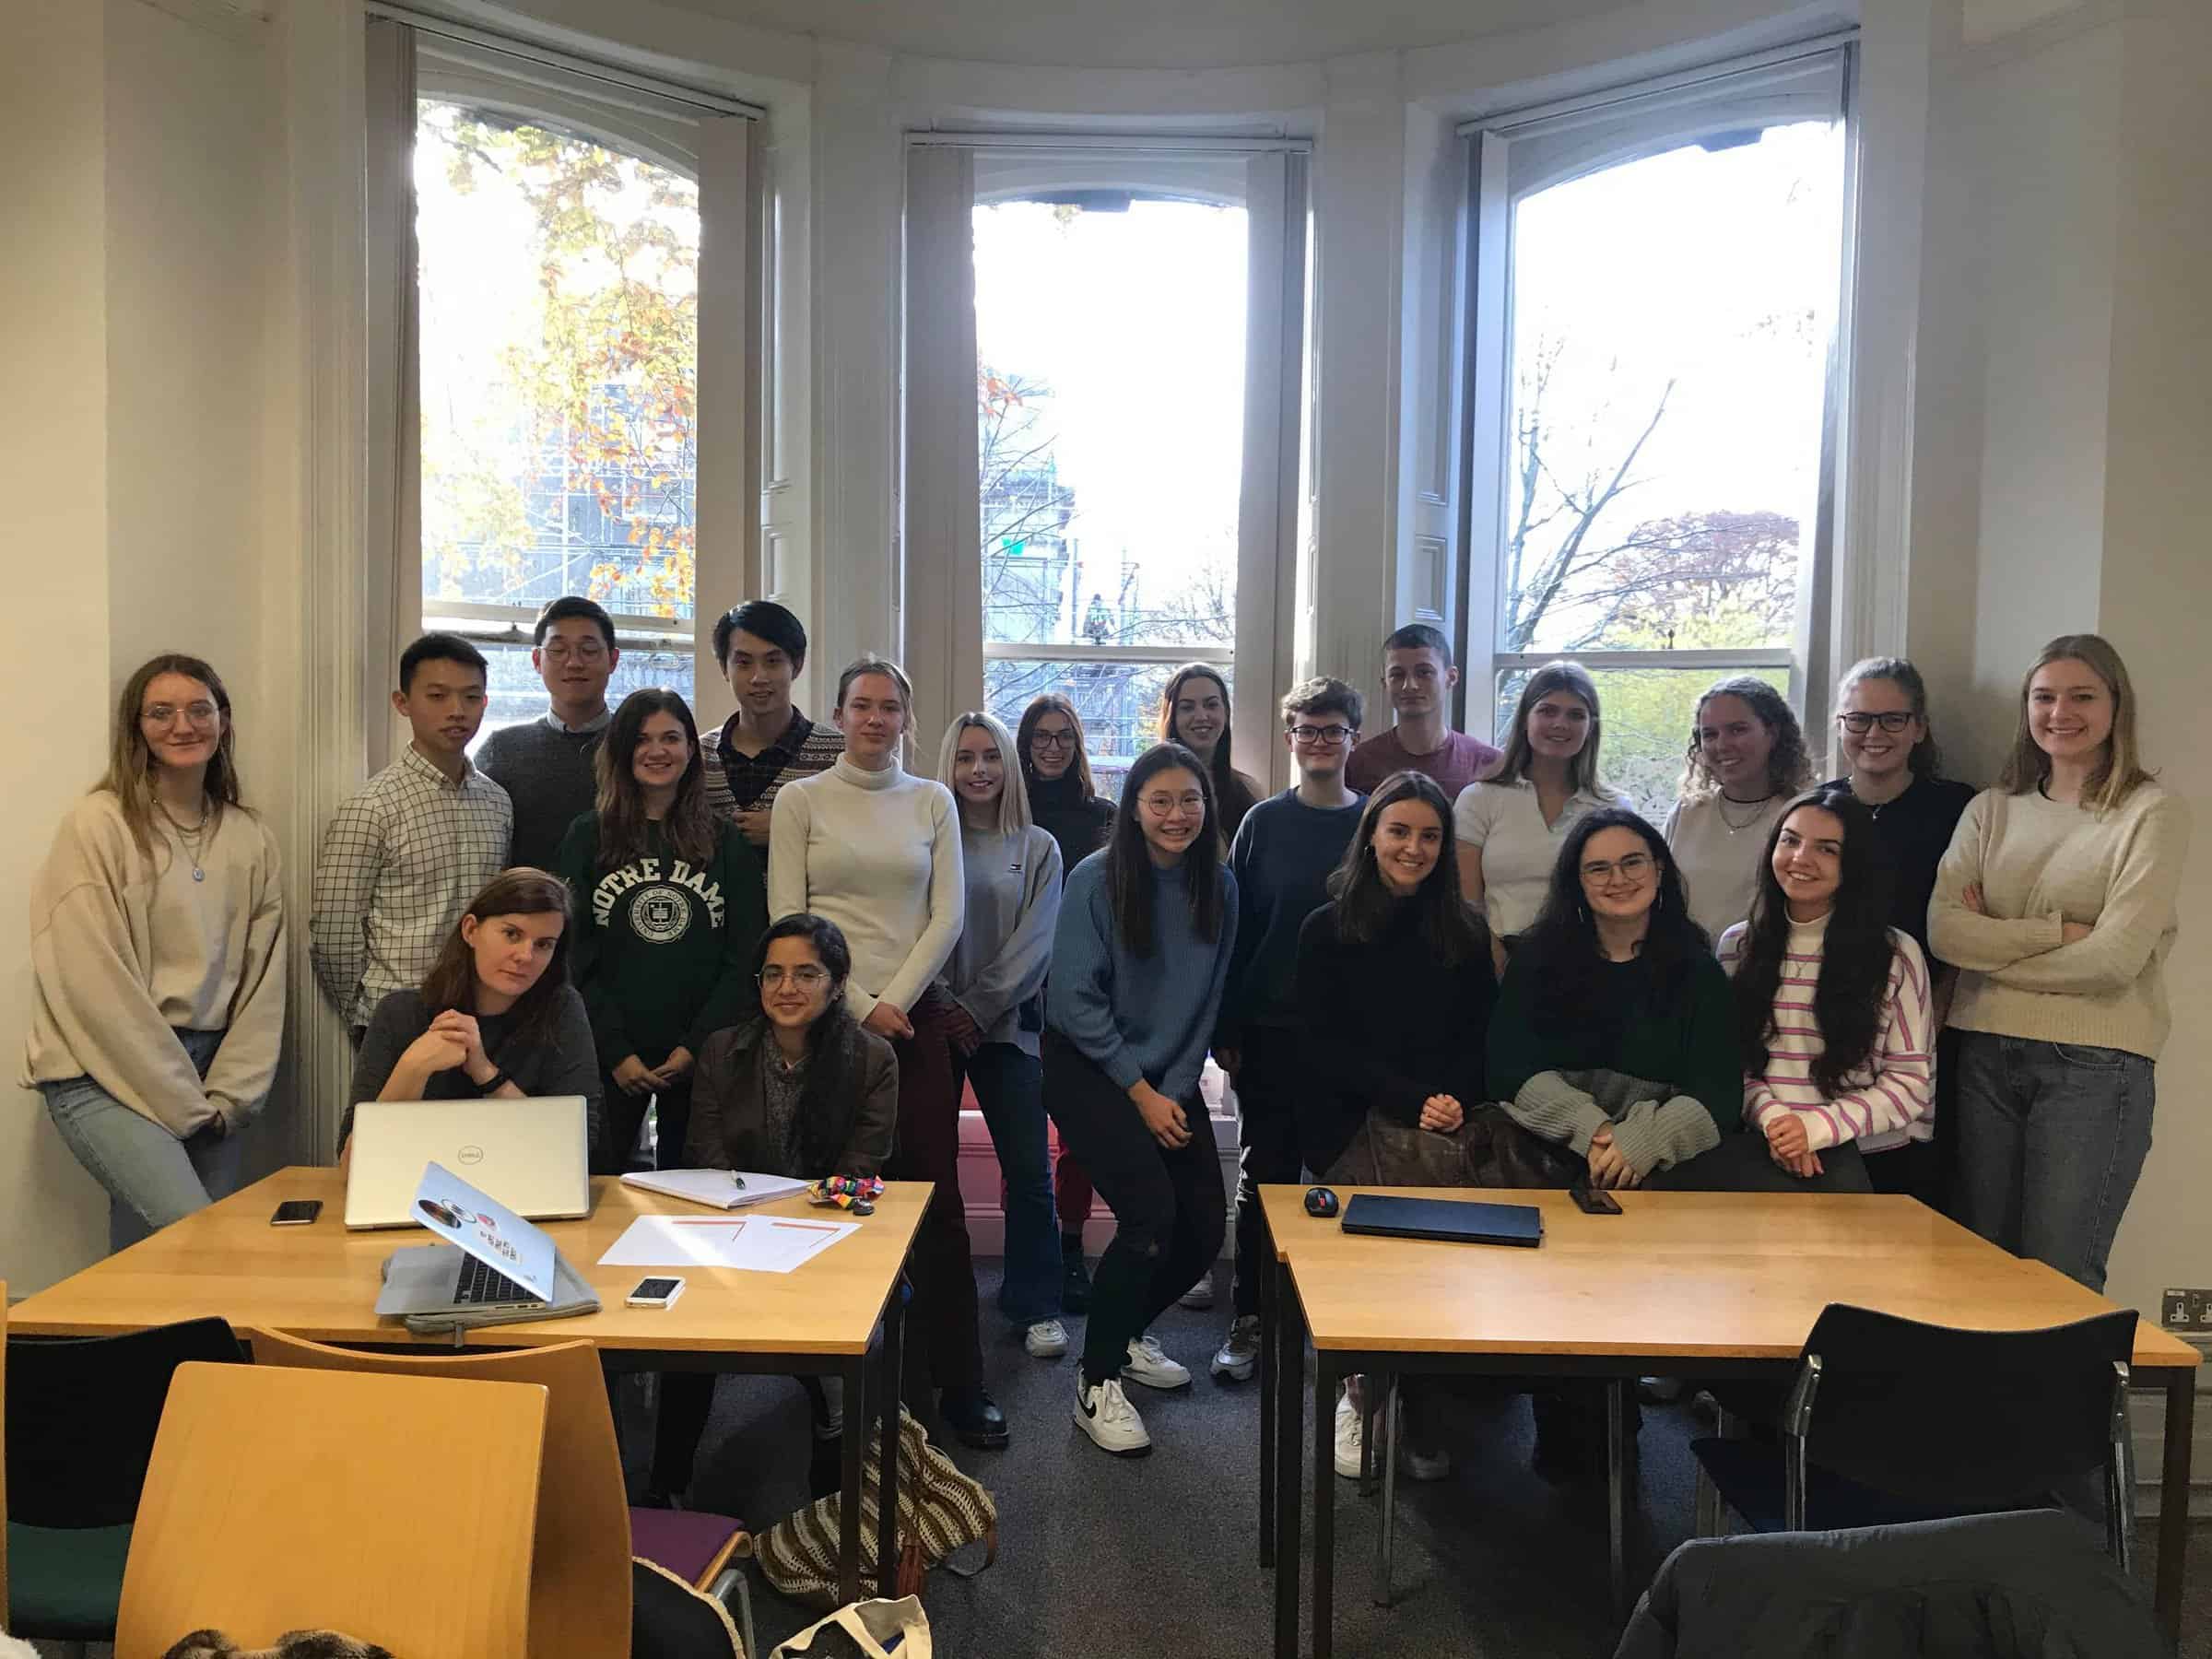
(1267, 1085)
(1740, 1164)
(623, 1113)
(1169, 1210)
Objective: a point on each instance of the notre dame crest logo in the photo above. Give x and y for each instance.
(661, 913)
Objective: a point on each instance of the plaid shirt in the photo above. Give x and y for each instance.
(400, 862)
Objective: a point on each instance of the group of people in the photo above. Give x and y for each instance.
(798, 954)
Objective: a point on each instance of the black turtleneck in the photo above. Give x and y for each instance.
(1077, 821)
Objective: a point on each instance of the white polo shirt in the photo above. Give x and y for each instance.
(1502, 818)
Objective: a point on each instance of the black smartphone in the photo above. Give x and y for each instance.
(1592, 1201)
(296, 1212)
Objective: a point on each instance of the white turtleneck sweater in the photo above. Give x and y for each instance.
(1892, 1099)
(878, 854)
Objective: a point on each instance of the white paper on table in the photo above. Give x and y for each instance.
(755, 1243)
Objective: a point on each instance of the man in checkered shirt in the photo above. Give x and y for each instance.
(405, 854)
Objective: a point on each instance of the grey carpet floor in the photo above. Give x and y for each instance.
(1157, 1556)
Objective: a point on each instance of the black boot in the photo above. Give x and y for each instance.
(974, 1416)
(1074, 1276)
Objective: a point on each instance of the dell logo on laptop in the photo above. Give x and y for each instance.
(472, 1155)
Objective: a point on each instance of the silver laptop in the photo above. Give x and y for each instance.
(466, 1283)
(530, 1155)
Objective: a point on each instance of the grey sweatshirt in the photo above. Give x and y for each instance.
(1013, 892)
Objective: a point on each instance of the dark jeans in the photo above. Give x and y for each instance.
(945, 1344)
(623, 1113)
(1169, 1210)
(1009, 1087)
(2052, 1138)
(1267, 1083)
(1071, 1191)
(1740, 1164)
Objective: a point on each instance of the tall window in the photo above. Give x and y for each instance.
(1650, 487)
(559, 392)
(1110, 402)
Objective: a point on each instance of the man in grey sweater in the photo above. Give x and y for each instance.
(545, 766)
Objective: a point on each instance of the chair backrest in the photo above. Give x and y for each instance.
(579, 1587)
(398, 1510)
(1973, 1418)
(85, 1413)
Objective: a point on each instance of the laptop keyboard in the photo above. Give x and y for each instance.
(483, 1286)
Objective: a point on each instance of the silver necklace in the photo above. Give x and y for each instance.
(191, 839)
(1758, 808)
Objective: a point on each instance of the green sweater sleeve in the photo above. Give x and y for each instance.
(1516, 1052)
(744, 883)
(576, 865)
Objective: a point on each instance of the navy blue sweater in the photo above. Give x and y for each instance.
(1284, 853)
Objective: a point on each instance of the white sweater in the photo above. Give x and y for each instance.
(1719, 854)
(1892, 1099)
(878, 854)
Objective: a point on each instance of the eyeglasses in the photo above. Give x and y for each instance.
(199, 713)
(1860, 724)
(1051, 740)
(805, 979)
(1634, 868)
(1162, 804)
(560, 651)
(1328, 736)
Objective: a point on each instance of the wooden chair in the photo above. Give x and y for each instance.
(400, 1512)
(581, 1580)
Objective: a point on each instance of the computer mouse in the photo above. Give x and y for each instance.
(1321, 1201)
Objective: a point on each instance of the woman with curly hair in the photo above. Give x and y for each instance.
(1746, 759)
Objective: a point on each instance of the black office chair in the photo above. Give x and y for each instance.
(1891, 1421)
(82, 1413)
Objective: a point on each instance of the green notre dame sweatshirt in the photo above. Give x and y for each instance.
(663, 949)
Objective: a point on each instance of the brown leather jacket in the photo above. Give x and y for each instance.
(728, 1121)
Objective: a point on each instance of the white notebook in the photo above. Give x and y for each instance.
(719, 1189)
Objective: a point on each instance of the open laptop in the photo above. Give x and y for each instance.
(493, 1268)
(530, 1155)
(1457, 1220)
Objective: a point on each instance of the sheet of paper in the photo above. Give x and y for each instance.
(755, 1243)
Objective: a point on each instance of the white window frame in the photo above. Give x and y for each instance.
(1514, 154)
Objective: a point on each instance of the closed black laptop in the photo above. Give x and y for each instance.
(1454, 1220)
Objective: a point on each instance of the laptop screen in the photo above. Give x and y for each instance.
(488, 1229)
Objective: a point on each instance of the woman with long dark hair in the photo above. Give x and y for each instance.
(1145, 933)
(2057, 899)
(496, 1015)
(1055, 770)
(1395, 990)
(669, 901)
(157, 957)
(1746, 758)
(1832, 1003)
(1194, 711)
(795, 1087)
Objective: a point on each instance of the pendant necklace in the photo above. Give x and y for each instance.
(190, 840)
(1758, 808)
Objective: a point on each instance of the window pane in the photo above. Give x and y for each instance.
(1672, 318)
(1111, 410)
(1119, 703)
(518, 695)
(559, 367)
(1647, 716)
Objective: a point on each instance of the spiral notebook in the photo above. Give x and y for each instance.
(718, 1189)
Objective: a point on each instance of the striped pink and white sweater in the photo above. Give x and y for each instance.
(1891, 1099)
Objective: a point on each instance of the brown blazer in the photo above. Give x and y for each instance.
(727, 1121)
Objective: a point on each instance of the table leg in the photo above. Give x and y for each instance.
(2173, 1501)
(1392, 1406)
(1617, 1487)
(1290, 1346)
(887, 1514)
(1267, 1368)
(853, 1440)
(1326, 1380)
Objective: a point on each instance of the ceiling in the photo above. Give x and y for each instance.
(1147, 34)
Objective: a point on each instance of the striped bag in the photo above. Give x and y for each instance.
(940, 1510)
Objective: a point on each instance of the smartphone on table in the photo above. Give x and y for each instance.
(1593, 1201)
(296, 1212)
(656, 1292)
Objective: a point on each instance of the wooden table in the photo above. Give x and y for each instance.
(1703, 1285)
(320, 1281)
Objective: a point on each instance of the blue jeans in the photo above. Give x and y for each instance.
(152, 1177)
(1009, 1087)
(2051, 1138)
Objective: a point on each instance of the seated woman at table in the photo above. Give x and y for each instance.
(1831, 1003)
(800, 1088)
(1394, 987)
(496, 1015)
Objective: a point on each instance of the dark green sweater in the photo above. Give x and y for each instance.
(663, 951)
(1685, 1036)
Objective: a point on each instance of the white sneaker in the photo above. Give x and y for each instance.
(1240, 1351)
(1350, 1427)
(1104, 1412)
(1424, 1466)
(1047, 1340)
(1148, 1365)
(1200, 1295)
